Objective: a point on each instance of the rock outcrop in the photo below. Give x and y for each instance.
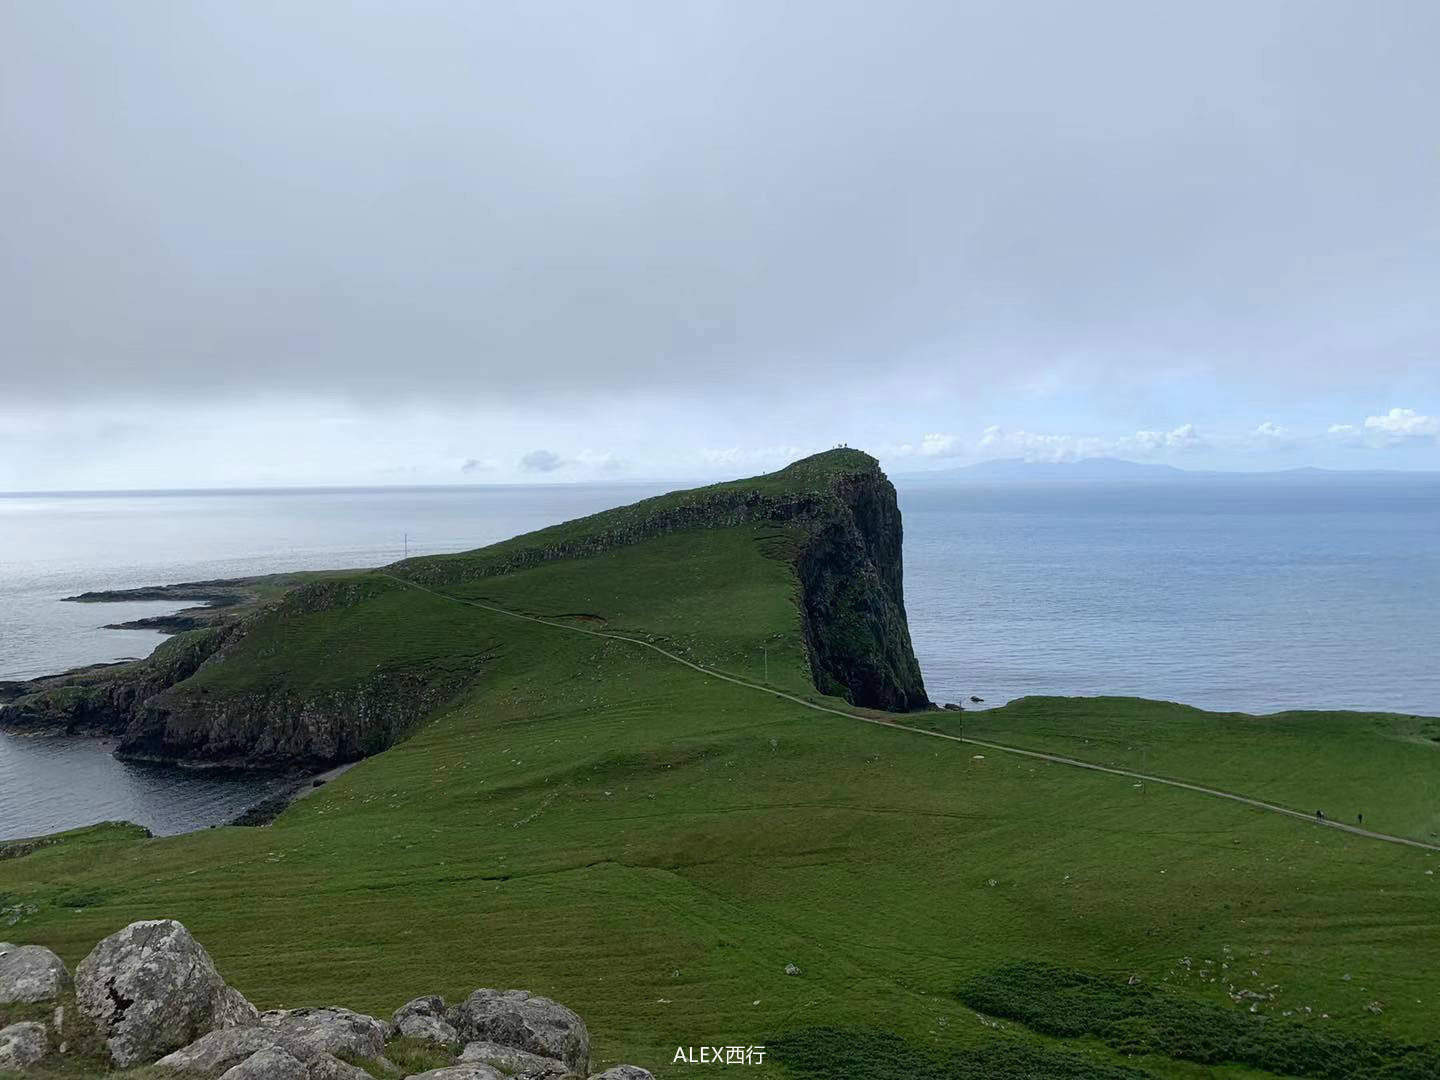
(152, 988)
(268, 1065)
(155, 998)
(30, 974)
(424, 1019)
(519, 1019)
(511, 1061)
(105, 700)
(23, 1044)
(328, 1030)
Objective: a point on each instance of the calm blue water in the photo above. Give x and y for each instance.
(1248, 593)
(1226, 593)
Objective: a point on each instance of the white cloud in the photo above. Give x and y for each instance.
(1398, 427)
(931, 445)
(1034, 446)
(761, 457)
(1184, 437)
(938, 445)
(1272, 436)
(1403, 424)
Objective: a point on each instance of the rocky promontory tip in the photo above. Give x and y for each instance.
(150, 995)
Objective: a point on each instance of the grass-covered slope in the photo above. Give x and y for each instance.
(338, 667)
(651, 845)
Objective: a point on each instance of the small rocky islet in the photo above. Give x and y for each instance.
(151, 995)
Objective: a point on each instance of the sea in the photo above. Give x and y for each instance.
(1252, 593)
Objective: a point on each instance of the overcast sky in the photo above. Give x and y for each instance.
(266, 243)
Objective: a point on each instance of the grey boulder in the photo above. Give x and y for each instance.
(22, 1044)
(513, 1062)
(429, 1029)
(624, 1072)
(460, 1072)
(224, 1049)
(522, 1020)
(151, 988)
(267, 1065)
(425, 1005)
(31, 973)
(327, 1067)
(328, 1030)
(424, 1018)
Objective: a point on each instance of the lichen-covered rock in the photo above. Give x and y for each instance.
(329, 1067)
(524, 1021)
(224, 1049)
(22, 1045)
(624, 1072)
(151, 988)
(512, 1061)
(31, 973)
(460, 1072)
(329, 1030)
(267, 1065)
(425, 1005)
(429, 1029)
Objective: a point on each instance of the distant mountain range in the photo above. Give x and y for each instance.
(1018, 470)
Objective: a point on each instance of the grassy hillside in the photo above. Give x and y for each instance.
(652, 845)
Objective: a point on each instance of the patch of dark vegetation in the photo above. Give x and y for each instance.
(75, 897)
(1138, 1020)
(830, 1053)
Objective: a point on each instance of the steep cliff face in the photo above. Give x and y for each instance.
(284, 727)
(852, 590)
(283, 686)
(105, 700)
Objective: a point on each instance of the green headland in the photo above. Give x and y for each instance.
(592, 767)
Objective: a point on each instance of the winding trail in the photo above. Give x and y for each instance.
(1056, 759)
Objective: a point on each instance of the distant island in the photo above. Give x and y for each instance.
(1021, 470)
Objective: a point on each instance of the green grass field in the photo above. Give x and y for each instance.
(651, 846)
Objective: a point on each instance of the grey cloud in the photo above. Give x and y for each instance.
(541, 461)
(502, 201)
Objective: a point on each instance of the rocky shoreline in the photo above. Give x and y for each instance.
(151, 995)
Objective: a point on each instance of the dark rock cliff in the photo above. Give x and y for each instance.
(851, 583)
(104, 700)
